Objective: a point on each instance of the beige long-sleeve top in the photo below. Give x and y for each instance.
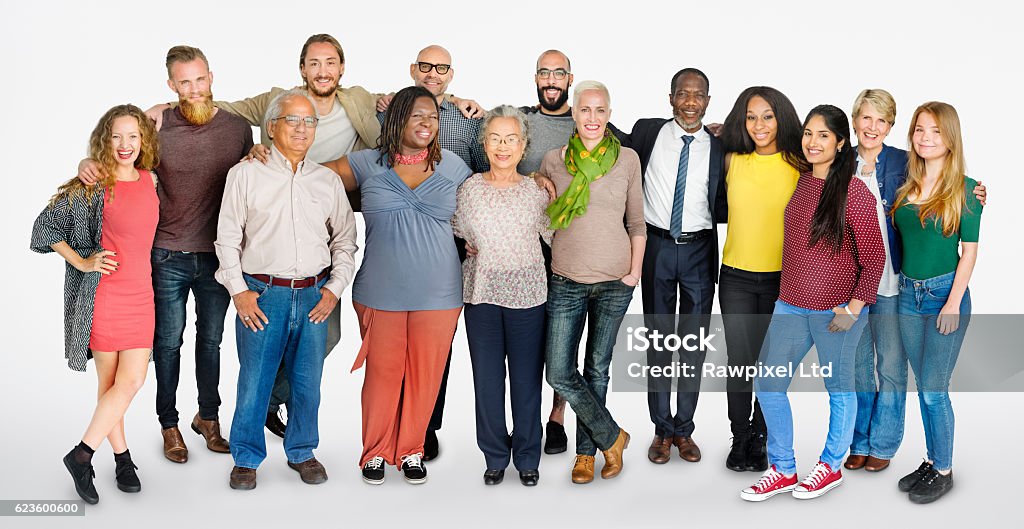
(284, 224)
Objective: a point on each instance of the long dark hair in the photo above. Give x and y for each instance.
(829, 220)
(736, 139)
(390, 142)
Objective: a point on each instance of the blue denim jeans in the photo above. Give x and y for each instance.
(790, 335)
(174, 275)
(932, 357)
(881, 406)
(301, 344)
(601, 306)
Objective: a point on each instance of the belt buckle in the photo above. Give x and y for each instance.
(291, 282)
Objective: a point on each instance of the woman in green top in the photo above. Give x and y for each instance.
(938, 218)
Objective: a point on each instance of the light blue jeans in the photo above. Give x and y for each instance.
(932, 356)
(881, 405)
(790, 335)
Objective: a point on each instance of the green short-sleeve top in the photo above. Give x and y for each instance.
(926, 252)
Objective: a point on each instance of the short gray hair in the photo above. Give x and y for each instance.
(583, 86)
(274, 110)
(505, 111)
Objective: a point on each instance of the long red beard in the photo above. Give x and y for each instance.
(198, 113)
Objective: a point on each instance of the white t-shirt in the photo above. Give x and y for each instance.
(889, 284)
(335, 136)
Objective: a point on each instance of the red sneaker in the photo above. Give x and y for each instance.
(821, 480)
(771, 483)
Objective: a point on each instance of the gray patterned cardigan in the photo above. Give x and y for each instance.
(79, 222)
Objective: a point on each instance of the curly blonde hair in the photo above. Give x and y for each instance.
(101, 151)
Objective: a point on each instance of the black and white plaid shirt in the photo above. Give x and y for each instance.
(458, 134)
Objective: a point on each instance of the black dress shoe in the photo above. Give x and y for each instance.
(275, 424)
(757, 453)
(82, 475)
(737, 458)
(555, 440)
(529, 477)
(124, 472)
(493, 477)
(430, 447)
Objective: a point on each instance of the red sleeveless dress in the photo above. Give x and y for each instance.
(123, 314)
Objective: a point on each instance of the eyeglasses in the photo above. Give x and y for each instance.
(425, 67)
(558, 73)
(511, 141)
(293, 120)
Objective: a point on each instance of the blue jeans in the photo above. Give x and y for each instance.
(881, 408)
(174, 274)
(932, 357)
(301, 344)
(790, 335)
(601, 306)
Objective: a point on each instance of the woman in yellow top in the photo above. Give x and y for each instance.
(762, 136)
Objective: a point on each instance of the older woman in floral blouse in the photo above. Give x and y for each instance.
(500, 213)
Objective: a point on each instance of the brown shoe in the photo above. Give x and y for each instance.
(661, 450)
(613, 456)
(855, 462)
(875, 464)
(310, 470)
(174, 445)
(583, 469)
(210, 430)
(243, 478)
(688, 449)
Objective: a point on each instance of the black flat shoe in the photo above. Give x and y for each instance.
(907, 482)
(529, 478)
(82, 475)
(931, 487)
(124, 471)
(431, 448)
(493, 477)
(737, 458)
(555, 440)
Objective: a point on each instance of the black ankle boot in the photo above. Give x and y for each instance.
(737, 458)
(757, 453)
(124, 471)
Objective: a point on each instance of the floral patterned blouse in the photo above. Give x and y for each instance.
(505, 225)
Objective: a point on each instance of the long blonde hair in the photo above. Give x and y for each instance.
(948, 198)
(101, 150)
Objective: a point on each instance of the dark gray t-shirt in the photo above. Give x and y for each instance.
(194, 164)
(546, 132)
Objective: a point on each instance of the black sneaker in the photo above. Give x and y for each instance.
(412, 467)
(124, 471)
(737, 458)
(555, 440)
(431, 448)
(373, 471)
(82, 475)
(931, 487)
(907, 482)
(757, 453)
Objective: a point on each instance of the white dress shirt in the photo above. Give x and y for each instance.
(660, 179)
(284, 224)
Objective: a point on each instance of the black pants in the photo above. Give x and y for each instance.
(676, 278)
(747, 299)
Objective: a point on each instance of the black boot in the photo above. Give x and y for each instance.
(124, 471)
(82, 473)
(757, 453)
(737, 458)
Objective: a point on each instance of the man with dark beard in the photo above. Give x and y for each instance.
(198, 145)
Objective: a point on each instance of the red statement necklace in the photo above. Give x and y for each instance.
(412, 159)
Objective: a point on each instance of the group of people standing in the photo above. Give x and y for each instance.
(557, 216)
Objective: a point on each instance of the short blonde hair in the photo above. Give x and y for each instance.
(878, 98)
(583, 86)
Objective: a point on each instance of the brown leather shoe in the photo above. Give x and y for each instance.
(210, 430)
(661, 450)
(174, 445)
(583, 469)
(855, 462)
(310, 470)
(688, 449)
(243, 478)
(875, 464)
(613, 456)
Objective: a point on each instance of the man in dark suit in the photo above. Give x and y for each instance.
(684, 199)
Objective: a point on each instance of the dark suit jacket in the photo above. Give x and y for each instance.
(642, 139)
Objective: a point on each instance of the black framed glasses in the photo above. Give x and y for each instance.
(293, 121)
(425, 67)
(557, 73)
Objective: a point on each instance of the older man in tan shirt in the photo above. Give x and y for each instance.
(286, 241)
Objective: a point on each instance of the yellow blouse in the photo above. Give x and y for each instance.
(759, 187)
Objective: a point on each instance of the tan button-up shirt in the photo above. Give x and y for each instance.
(284, 224)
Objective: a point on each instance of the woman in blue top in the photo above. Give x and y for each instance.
(408, 291)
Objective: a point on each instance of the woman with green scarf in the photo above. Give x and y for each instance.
(595, 263)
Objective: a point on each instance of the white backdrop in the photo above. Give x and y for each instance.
(66, 62)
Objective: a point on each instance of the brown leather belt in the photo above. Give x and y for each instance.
(304, 282)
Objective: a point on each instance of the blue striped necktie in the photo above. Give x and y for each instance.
(676, 226)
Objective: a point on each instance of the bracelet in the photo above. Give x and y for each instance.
(848, 311)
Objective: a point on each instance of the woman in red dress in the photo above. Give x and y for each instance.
(105, 233)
